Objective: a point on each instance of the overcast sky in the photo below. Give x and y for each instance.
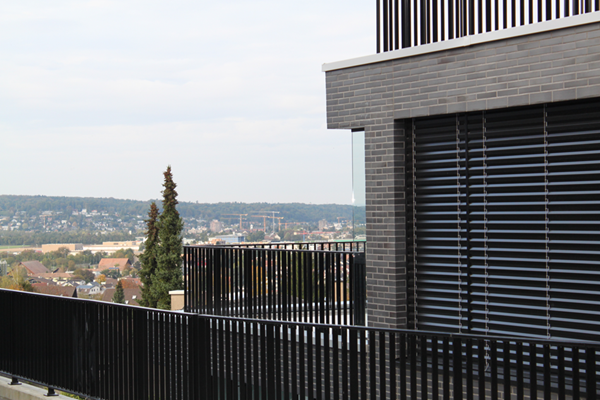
(98, 97)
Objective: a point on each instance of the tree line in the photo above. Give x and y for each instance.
(292, 212)
(23, 238)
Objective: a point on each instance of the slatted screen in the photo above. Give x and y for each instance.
(504, 221)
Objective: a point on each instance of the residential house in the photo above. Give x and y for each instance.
(132, 295)
(91, 289)
(480, 135)
(55, 290)
(108, 263)
(34, 268)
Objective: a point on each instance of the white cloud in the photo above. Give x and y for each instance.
(102, 95)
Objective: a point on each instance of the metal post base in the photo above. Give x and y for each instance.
(14, 381)
(51, 392)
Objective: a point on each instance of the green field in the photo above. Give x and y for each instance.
(13, 247)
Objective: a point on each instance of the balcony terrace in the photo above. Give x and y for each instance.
(290, 323)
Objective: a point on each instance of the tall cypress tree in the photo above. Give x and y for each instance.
(168, 255)
(119, 296)
(148, 258)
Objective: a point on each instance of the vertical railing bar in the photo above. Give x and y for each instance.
(344, 369)
(354, 394)
(256, 351)
(560, 363)
(590, 374)
(318, 364)
(309, 361)
(532, 370)
(296, 361)
(547, 373)
(424, 383)
(363, 364)
(402, 361)
(519, 350)
(481, 365)
(335, 333)
(412, 348)
(506, 361)
(494, 369)
(575, 368)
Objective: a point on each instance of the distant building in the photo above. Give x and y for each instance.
(132, 295)
(34, 268)
(107, 263)
(128, 243)
(55, 290)
(47, 248)
(323, 224)
(216, 226)
(231, 238)
(91, 289)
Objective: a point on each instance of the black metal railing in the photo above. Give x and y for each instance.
(356, 246)
(111, 351)
(408, 23)
(320, 286)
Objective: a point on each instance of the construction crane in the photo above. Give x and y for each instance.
(241, 216)
(273, 212)
(264, 217)
(279, 220)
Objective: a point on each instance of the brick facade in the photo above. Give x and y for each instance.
(539, 68)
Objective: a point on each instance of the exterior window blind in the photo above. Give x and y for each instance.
(504, 221)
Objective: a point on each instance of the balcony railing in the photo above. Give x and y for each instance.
(408, 23)
(355, 246)
(289, 284)
(110, 351)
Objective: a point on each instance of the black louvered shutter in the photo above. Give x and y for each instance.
(504, 220)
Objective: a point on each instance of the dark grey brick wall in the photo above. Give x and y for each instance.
(541, 68)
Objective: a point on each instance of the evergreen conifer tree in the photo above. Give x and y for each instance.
(119, 296)
(148, 258)
(168, 255)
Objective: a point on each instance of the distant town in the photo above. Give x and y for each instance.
(89, 252)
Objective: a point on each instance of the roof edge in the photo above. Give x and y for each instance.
(545, 26)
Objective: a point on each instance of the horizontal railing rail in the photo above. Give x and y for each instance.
(321, 286)
(355, 245)
(110, 351)
(408, 23)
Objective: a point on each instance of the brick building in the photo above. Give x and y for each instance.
(482, 173)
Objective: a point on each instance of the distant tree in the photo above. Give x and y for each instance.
(111, 273)
(119, 296)
(168, 256)
(148, 258)
(123, 253)
(84, 274)
(17, 280)
(101, 278)
(255, 236)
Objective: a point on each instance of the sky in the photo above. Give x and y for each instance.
(98, 97)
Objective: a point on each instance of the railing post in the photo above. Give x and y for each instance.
(51, 392)
(360, 289)
(14, 381)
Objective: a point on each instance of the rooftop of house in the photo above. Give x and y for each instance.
(120, 263)
(34, 267)
(132, 295)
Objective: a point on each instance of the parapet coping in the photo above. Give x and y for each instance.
(539, 27)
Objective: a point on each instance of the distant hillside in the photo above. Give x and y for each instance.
(292, 212)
